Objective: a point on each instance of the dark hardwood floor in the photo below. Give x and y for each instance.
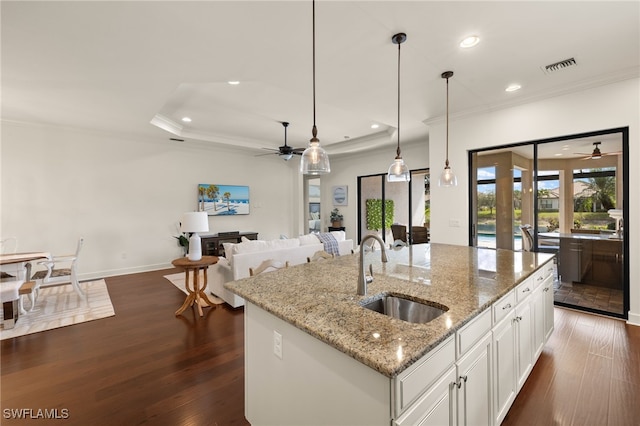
(588, 374)
(146, 366)
(142, 366)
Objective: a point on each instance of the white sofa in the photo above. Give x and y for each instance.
(250, 253)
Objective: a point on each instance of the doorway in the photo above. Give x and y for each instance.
(395, 211)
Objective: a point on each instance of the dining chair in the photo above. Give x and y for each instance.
(267, 264)
(55, 274)
(527, 238)
(319, 255)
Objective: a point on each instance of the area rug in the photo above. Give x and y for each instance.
(178, 280)
(60, 306)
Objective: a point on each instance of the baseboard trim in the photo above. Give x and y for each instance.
(125, 271)
(634, 319)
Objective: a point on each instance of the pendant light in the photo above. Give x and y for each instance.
(447, 177)
(398, 171)
(315, 160)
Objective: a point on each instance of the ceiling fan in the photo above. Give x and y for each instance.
(596, 154)
(285, 151)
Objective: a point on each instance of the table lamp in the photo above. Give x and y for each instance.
(195, 222)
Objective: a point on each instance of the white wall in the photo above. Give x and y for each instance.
(611, 106)
(126, 195)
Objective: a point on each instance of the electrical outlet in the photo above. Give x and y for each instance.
(277, 344)
(454, 223)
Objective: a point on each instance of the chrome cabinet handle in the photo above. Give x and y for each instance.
(526, 290)
(507, 306)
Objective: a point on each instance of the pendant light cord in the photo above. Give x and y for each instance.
(446, 162)
(314, 130)
(398, 156)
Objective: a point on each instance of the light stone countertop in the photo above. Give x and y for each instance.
(320, 297)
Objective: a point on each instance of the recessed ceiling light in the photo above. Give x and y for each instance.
(186, 119)
(469, 41)
(233, 82)
(375, 126)
(513, 88)
(558, 154)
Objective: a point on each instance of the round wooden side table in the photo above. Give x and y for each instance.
(196, 294)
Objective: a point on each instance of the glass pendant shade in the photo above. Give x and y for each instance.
(315, 160)
(447, 177)
(398, 171)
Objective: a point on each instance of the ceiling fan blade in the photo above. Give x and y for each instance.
(268, 153)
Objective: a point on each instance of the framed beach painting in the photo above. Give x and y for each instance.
(223, 200)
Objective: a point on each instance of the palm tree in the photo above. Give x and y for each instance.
(212, 193)
(226, 196)
(201, 192)
(604, 190)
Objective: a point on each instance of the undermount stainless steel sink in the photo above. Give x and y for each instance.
(405, 309)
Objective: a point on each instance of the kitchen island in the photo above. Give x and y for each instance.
(314, 355)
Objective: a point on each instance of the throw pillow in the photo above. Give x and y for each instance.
(308, 239)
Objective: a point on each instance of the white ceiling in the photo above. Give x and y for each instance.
(118, 66)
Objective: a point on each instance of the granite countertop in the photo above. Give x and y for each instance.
(320, 297)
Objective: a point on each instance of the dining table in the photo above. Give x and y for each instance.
(25, 259)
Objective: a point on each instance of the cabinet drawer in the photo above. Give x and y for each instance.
(411, 383)
(543, 273)
(524, 289)
(472, 332)
(503, 306)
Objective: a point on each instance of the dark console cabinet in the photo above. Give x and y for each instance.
(212, 244)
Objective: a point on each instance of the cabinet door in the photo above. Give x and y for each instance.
(538, 309)
(474, 385)
(547, 289)
(524, 339)
(436, 406)
(504, 367)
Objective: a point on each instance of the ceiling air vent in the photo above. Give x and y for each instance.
(558, 66)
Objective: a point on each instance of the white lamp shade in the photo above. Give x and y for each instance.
(195, 222)
(315, 160)
(398, 171)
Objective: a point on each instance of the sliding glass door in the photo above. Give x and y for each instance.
(568, 196)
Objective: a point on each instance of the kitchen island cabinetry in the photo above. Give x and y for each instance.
(314, 355)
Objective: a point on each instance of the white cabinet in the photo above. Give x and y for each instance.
(504, 367)
(419, 378)
(542, 308)
(436, 406)
(538, 309)
(547, 289)
(523, 321)
(474, 384)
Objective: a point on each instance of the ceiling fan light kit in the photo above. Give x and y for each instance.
(596, 154)
(315, 160)
(398, 171)
(447, 177)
